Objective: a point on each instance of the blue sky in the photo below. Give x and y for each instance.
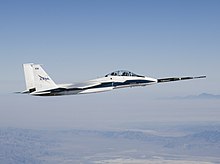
(80, 40)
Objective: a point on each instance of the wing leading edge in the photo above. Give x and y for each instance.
(83, 85)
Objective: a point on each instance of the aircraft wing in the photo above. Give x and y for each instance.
(83, 85)
(170, 79)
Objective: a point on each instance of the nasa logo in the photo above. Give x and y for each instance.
(43, 78)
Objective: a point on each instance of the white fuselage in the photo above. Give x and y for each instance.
(98, 85)
(116, 82)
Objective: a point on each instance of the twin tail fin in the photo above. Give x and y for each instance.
(37, 79)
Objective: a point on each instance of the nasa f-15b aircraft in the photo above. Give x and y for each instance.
(38, 83)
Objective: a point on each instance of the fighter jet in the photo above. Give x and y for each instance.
(38, 83)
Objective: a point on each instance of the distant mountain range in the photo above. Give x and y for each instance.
(200, 96)
(88, 146)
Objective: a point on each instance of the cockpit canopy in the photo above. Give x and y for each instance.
(123, 73)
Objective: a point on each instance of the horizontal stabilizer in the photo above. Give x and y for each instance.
(178, 78)
(40, 93)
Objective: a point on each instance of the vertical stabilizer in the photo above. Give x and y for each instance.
(41, 79)
(29, 77)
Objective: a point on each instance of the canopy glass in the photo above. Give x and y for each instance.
(123, 73)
